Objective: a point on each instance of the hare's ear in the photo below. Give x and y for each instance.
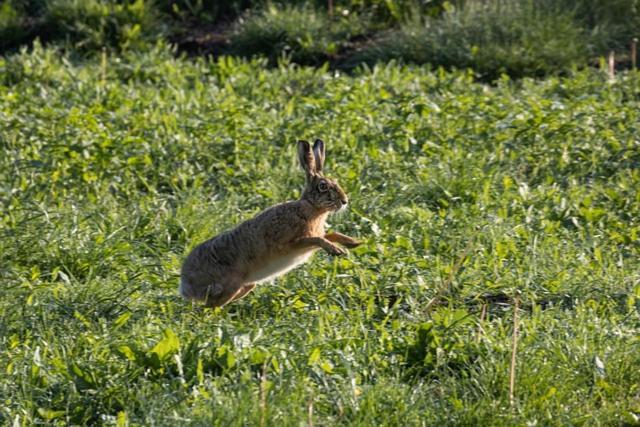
(307, 161)
(318, 153)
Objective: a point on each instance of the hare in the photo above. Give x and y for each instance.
(228, 266)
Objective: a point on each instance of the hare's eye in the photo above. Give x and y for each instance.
(322, 186)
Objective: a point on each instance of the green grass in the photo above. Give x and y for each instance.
(465, 195)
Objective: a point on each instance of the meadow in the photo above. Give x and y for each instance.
(491, 215)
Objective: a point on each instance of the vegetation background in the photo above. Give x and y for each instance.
(493, 175)
(517, 37)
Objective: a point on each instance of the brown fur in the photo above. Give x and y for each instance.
(228, 266)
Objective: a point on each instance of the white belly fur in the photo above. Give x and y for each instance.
(278, 266)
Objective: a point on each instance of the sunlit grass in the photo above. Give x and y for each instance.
(465, 195)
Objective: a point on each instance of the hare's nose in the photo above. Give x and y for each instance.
(344, 201)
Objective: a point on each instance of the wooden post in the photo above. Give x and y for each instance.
(634, 52)
(330, 7)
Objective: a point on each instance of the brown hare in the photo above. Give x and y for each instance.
(228, 266)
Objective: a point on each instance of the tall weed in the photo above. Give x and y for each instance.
(14, 28)
(303, 33)
(95, 24)
(514, 37)
(206, 11)
(610, 24)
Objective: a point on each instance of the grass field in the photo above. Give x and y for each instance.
(467, 197)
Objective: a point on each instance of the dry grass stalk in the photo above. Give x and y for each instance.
(612, 65)
(483, 315)
(514, 349)
(263, 395)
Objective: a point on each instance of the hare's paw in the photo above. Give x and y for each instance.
(352, 243)
(346, 241)
(335, 250)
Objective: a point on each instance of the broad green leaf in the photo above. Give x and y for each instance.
(168, 345)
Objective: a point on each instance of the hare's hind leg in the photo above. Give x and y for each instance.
(227, 296)
(244, 291)
(226, 292)
(347, 241)
(212, 294)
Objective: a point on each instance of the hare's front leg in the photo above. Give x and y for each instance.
(332, 249)
(347, 241)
